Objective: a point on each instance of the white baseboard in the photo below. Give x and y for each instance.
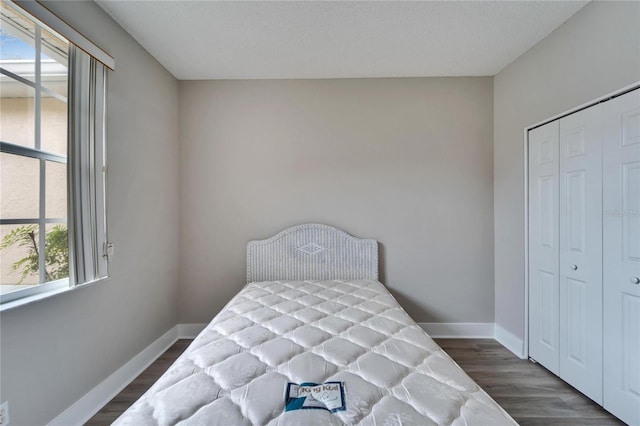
(460, 330)
(189, 331)
(509, 341)
(83, 409)
(476, 331)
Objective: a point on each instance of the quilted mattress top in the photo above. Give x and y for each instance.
(271, 333)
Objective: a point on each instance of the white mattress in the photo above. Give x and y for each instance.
(271, 333)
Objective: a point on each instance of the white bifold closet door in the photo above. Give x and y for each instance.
(581, 252)
(584, 251)
(544, 252)
(621, 236)
(565, 249)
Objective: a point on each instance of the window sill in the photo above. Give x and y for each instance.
(27, 300)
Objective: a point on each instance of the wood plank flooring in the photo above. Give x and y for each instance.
(110, 412)
(528, 392)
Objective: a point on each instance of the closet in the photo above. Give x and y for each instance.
(584, 251)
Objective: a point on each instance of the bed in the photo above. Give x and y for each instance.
(313, 310)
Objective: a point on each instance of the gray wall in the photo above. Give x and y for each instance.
(56, 350)
(596, 52)
(405, 161)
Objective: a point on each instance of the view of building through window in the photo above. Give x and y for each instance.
(33, 157)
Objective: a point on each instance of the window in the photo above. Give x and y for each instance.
(52, 158)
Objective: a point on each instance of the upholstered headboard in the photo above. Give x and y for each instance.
(312, 252)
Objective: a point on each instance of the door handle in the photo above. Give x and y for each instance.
(573, 267)
(635, 280)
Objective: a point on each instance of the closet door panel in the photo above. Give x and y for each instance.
(580, 265)
(543, 246)
(621, 267)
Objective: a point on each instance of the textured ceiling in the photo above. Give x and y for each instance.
(318, 39)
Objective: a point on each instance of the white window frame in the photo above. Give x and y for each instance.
(89, 250)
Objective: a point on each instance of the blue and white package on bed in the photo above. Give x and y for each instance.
(315, 396)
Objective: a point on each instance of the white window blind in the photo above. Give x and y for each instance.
(86, 168)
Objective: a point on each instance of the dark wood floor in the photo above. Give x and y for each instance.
(529, 393)
(110, 412)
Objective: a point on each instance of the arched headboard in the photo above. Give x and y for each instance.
(312, 252)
